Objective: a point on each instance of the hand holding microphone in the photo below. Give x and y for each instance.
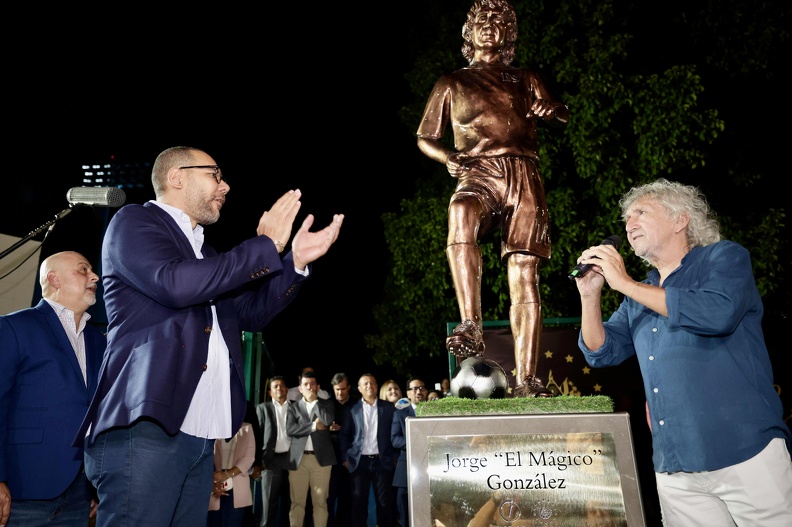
(581, 270)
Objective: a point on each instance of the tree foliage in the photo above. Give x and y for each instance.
(640, 109)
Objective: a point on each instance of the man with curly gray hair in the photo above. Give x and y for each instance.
(721, 448)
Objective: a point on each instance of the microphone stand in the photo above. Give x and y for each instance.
(49, 225)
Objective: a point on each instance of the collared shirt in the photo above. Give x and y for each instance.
(706, 370)
(75, 333)
(283, 441)
(209, 414)
(370, 422)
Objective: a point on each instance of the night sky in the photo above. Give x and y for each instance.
(283, 100)
(328, 127)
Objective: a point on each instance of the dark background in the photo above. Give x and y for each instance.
(304, 98)
(289, 96)
(274, 118)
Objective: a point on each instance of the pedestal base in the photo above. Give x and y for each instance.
(523, 470)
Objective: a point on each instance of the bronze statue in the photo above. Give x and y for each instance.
(493, 110)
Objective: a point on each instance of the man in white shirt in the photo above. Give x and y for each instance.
(275, 476)
(308, 423)
(172, 380)
(368, 454)
(49, 366)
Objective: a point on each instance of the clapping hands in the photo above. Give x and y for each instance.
(277, 222)
(308, 246)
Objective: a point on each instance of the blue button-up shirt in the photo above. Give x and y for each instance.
(706, 371)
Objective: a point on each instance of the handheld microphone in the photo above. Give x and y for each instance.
(582, 269)
(99, 196)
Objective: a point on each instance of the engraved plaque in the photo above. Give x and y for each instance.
(523, 470)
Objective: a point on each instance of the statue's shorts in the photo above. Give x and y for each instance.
(511, 194)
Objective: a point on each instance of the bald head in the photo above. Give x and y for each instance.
(68, 279)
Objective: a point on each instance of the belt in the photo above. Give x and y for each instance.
(282, 453)
(308, 452)
(371, 456)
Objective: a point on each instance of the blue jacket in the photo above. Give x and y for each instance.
(351, 435)
(43, 400)
(399, 442)
(158, 297)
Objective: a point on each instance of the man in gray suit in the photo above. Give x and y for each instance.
(275, 475)
(308, 423)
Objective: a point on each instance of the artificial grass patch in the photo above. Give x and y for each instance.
(563, 404)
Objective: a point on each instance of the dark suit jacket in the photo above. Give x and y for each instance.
(269, 430)
(351, 436)
(43, 400)
(399, 441)
(158, 297)
(298, 426)
(340, 415)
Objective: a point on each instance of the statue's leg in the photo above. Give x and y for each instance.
(525, 316)
(464, 260)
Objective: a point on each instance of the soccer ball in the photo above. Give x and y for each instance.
(479, 378)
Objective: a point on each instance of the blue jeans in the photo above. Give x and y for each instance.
(70, 509)
(143, 476)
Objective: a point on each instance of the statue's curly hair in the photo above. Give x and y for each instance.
(509, 17)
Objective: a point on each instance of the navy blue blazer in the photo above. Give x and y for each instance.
(158, 298)
(351, 435)
(43, 400)
(399, 441)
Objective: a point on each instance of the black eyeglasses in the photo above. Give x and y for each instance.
(217, 174)
(416, 388)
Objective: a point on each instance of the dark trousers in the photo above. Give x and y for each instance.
(402, 504)
(227, 515)
(339, 498)
(274, 487)
(69, 509)
(370, 471)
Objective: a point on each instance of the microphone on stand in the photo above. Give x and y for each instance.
(96, 196)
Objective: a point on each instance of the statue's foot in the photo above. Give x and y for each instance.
(532, 387)
(466, 340)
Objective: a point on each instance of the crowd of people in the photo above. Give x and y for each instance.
(331, 462)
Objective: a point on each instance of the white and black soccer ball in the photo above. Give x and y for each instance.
(479, 378)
